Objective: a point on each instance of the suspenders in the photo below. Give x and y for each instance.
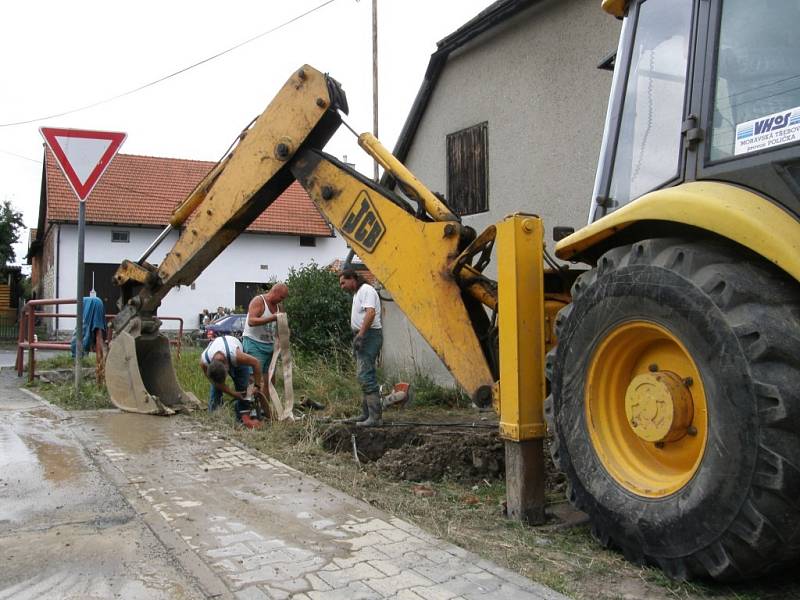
(227, 353)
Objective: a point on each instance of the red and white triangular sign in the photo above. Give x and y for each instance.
(82, 155)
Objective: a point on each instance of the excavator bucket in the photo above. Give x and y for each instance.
(140, 377)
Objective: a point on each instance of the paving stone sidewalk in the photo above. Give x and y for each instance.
(262, 530)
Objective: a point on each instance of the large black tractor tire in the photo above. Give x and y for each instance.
(737, 515)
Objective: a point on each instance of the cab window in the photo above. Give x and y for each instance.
(757, 84)
(649, 143)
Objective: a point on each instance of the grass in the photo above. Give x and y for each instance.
(567, 559)
(63, 360)
(91, 396)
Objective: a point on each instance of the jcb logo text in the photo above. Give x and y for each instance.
(362, 224)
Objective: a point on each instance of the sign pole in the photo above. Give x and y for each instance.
(79, 308)
(83, 156)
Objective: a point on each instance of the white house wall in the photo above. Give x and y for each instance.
(241, 261)
(535, 81)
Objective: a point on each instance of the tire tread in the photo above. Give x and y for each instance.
(762, 305)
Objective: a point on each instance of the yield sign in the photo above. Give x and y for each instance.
(82, 155)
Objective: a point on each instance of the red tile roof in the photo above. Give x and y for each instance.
(144, 190)
(337, 266)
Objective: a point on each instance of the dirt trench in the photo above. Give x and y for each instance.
(417, 452)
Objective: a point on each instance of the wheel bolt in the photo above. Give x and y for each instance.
(688, 382)
(692, 430)
(659, 444)
(653, 368)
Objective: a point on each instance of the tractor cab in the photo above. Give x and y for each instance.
(703, 90)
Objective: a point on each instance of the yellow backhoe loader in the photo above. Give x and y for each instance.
(673, 362)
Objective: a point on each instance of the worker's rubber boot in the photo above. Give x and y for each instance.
(364, 413)
(375, 408)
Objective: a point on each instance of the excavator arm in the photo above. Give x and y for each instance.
(422, 255)
(412, 258)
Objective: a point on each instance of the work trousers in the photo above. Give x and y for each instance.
(241, 377)
(366, 357)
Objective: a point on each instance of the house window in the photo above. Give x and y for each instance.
(121, 236)
(307, 240)
(468, 170)
(244, 291)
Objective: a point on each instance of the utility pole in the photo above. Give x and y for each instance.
(375, 75)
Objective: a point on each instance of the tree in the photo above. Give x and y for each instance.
(10, 224)
(319, 311)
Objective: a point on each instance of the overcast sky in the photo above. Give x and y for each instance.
(58, 56)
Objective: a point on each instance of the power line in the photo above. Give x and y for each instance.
(178, 72)
(20, 156)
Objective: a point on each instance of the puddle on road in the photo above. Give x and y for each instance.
(33, 445)
(133, 433)
(59, 463)
(14, 454)
(38, 469)
(44, 413)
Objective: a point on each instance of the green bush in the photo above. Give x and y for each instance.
(319, 311)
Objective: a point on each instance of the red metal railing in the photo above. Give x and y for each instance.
(26, 339)
(174, 342)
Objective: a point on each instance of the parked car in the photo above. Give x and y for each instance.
(227, 325)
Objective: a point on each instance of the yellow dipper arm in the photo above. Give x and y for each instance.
(411, 258)
(411, 185)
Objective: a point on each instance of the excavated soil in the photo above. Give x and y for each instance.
(414, 452)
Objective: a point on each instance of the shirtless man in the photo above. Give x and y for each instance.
(259, 332)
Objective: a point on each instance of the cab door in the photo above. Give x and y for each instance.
(643, 146)
(750, 105)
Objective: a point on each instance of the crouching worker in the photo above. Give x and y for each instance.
(224, 356)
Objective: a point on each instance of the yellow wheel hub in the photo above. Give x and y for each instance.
(658, 407)
(646, 409)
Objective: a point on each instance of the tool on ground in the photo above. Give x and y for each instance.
(400, 397)
(310, 404)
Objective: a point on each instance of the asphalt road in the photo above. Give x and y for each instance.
(65, 530)
(8, 356)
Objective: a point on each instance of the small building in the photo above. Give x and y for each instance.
(126, 211)
(509, 118)
(10, 296)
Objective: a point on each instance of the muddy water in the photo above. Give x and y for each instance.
(40, 470)
(132, 433)
(65, 530)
